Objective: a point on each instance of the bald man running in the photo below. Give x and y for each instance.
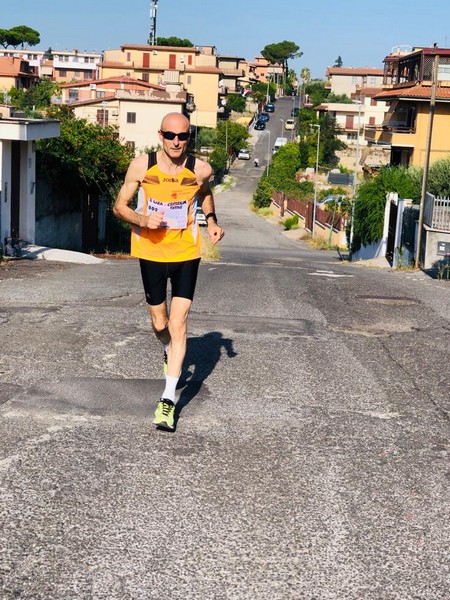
(166, 239)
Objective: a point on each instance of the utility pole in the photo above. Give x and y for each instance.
(427, 159)
(355, 177)
(152, 37)
(315, 181)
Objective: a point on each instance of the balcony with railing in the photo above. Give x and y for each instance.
(414, 67)
(390, 131)
(230, 72)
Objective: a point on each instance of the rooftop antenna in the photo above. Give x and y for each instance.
(152, 37)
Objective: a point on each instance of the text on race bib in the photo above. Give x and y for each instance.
(175, 213)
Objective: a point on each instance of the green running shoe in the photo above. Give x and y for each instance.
(164, 414)
(165, 363)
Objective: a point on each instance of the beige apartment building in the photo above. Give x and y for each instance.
(350, 80)
(59, 65)
(15, 72)
(134, 106)
(231, 73)
(260, 70)
(190, 68)
(352, 119)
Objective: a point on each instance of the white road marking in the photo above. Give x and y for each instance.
(332, 275)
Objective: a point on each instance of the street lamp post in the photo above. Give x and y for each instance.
(355, 174)
(316, 180)
(282, 127)
(196, 128)
(268, 86)
(104, 104)
(268, 156)
(226, 142)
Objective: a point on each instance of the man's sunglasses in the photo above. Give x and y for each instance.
(170, 135)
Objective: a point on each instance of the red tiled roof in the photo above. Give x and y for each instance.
(370, 91)
(113, 63)
(113, 97)
(109, 97)
(346, 106)
(417, 50)
(147, 48)
(203, 70)
(10, 67)
(354, 71)
(118, 79)
(421, 92)
(232, 56)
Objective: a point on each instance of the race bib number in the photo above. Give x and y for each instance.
(175, 213)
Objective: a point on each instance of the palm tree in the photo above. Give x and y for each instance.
(305, 74)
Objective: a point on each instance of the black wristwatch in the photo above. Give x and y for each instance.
(213, 215)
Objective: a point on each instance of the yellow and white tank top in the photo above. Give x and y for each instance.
(178, 238)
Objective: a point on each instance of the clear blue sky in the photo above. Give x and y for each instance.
(362, 33)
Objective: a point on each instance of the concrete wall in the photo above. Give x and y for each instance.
(60, 231)
(5, 190)
(27, 191)
(379, 247)
(430, 240)
(338, 238)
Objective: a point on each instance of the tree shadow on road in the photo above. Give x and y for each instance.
(202, 355)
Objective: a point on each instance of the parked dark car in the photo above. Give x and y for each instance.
(263, 117)
(260, 125)
(269, 107)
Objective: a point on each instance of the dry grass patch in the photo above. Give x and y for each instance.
(208, 251)
(318, 243)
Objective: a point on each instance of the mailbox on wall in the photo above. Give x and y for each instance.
(443, 248)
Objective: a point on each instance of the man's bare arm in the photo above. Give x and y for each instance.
(215, 232)
(135, 174)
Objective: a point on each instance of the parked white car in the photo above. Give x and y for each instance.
(201, 219)
(290, 124)
(244, 154)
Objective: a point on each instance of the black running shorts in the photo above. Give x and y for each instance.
(182, 275)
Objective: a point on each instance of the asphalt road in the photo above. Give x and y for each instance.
(311, 455)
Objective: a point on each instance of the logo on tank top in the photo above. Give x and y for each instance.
(170, 179)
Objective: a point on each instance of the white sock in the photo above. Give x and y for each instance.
(171, 386)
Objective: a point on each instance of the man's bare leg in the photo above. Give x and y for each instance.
(179, 310)
(160, 322)
(174, 328)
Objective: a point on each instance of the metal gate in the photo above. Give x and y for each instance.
(390, 246)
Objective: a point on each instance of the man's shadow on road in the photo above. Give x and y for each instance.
(202, 355)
